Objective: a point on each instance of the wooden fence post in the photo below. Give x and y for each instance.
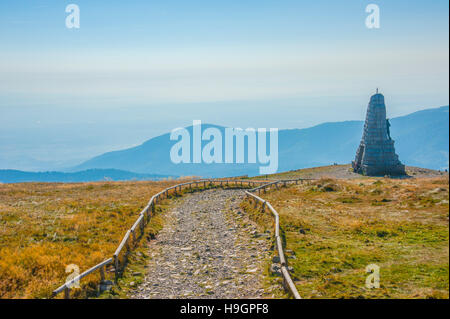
(116, 266)
(102, 273)
(67, 293)
(127, 244)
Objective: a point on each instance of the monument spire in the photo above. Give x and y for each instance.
(376, 153)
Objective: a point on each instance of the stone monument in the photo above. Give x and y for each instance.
(376, 153)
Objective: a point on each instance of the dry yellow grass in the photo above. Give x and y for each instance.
(338, 227)
(45, 227)
(335, 227)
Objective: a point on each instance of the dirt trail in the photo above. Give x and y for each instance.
(207, 249)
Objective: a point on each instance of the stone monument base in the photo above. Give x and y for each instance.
(398, 170)
(379, 160)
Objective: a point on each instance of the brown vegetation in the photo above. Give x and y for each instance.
(46, 226)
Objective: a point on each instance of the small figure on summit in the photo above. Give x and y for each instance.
(388, 125)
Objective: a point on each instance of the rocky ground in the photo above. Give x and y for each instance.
(207, 249)
(346, 172)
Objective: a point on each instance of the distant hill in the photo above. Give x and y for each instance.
(421, 139)
(91, 175)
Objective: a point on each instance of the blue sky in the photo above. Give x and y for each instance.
(141, 68)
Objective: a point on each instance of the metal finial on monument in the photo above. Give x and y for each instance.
(377, 90)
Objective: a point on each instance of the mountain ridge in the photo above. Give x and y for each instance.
(90, 175)
(421, 139)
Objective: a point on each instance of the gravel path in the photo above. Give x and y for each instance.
(207, 249)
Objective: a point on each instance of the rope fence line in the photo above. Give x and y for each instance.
(288, 282)
(132, 236)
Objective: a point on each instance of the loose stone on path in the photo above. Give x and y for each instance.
(204, 251)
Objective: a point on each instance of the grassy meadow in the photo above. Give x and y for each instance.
(335, 228)
(338, 227)
(46, 226)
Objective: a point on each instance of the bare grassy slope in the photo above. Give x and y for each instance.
(338, 227)
(45, 227)
(346, 172)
